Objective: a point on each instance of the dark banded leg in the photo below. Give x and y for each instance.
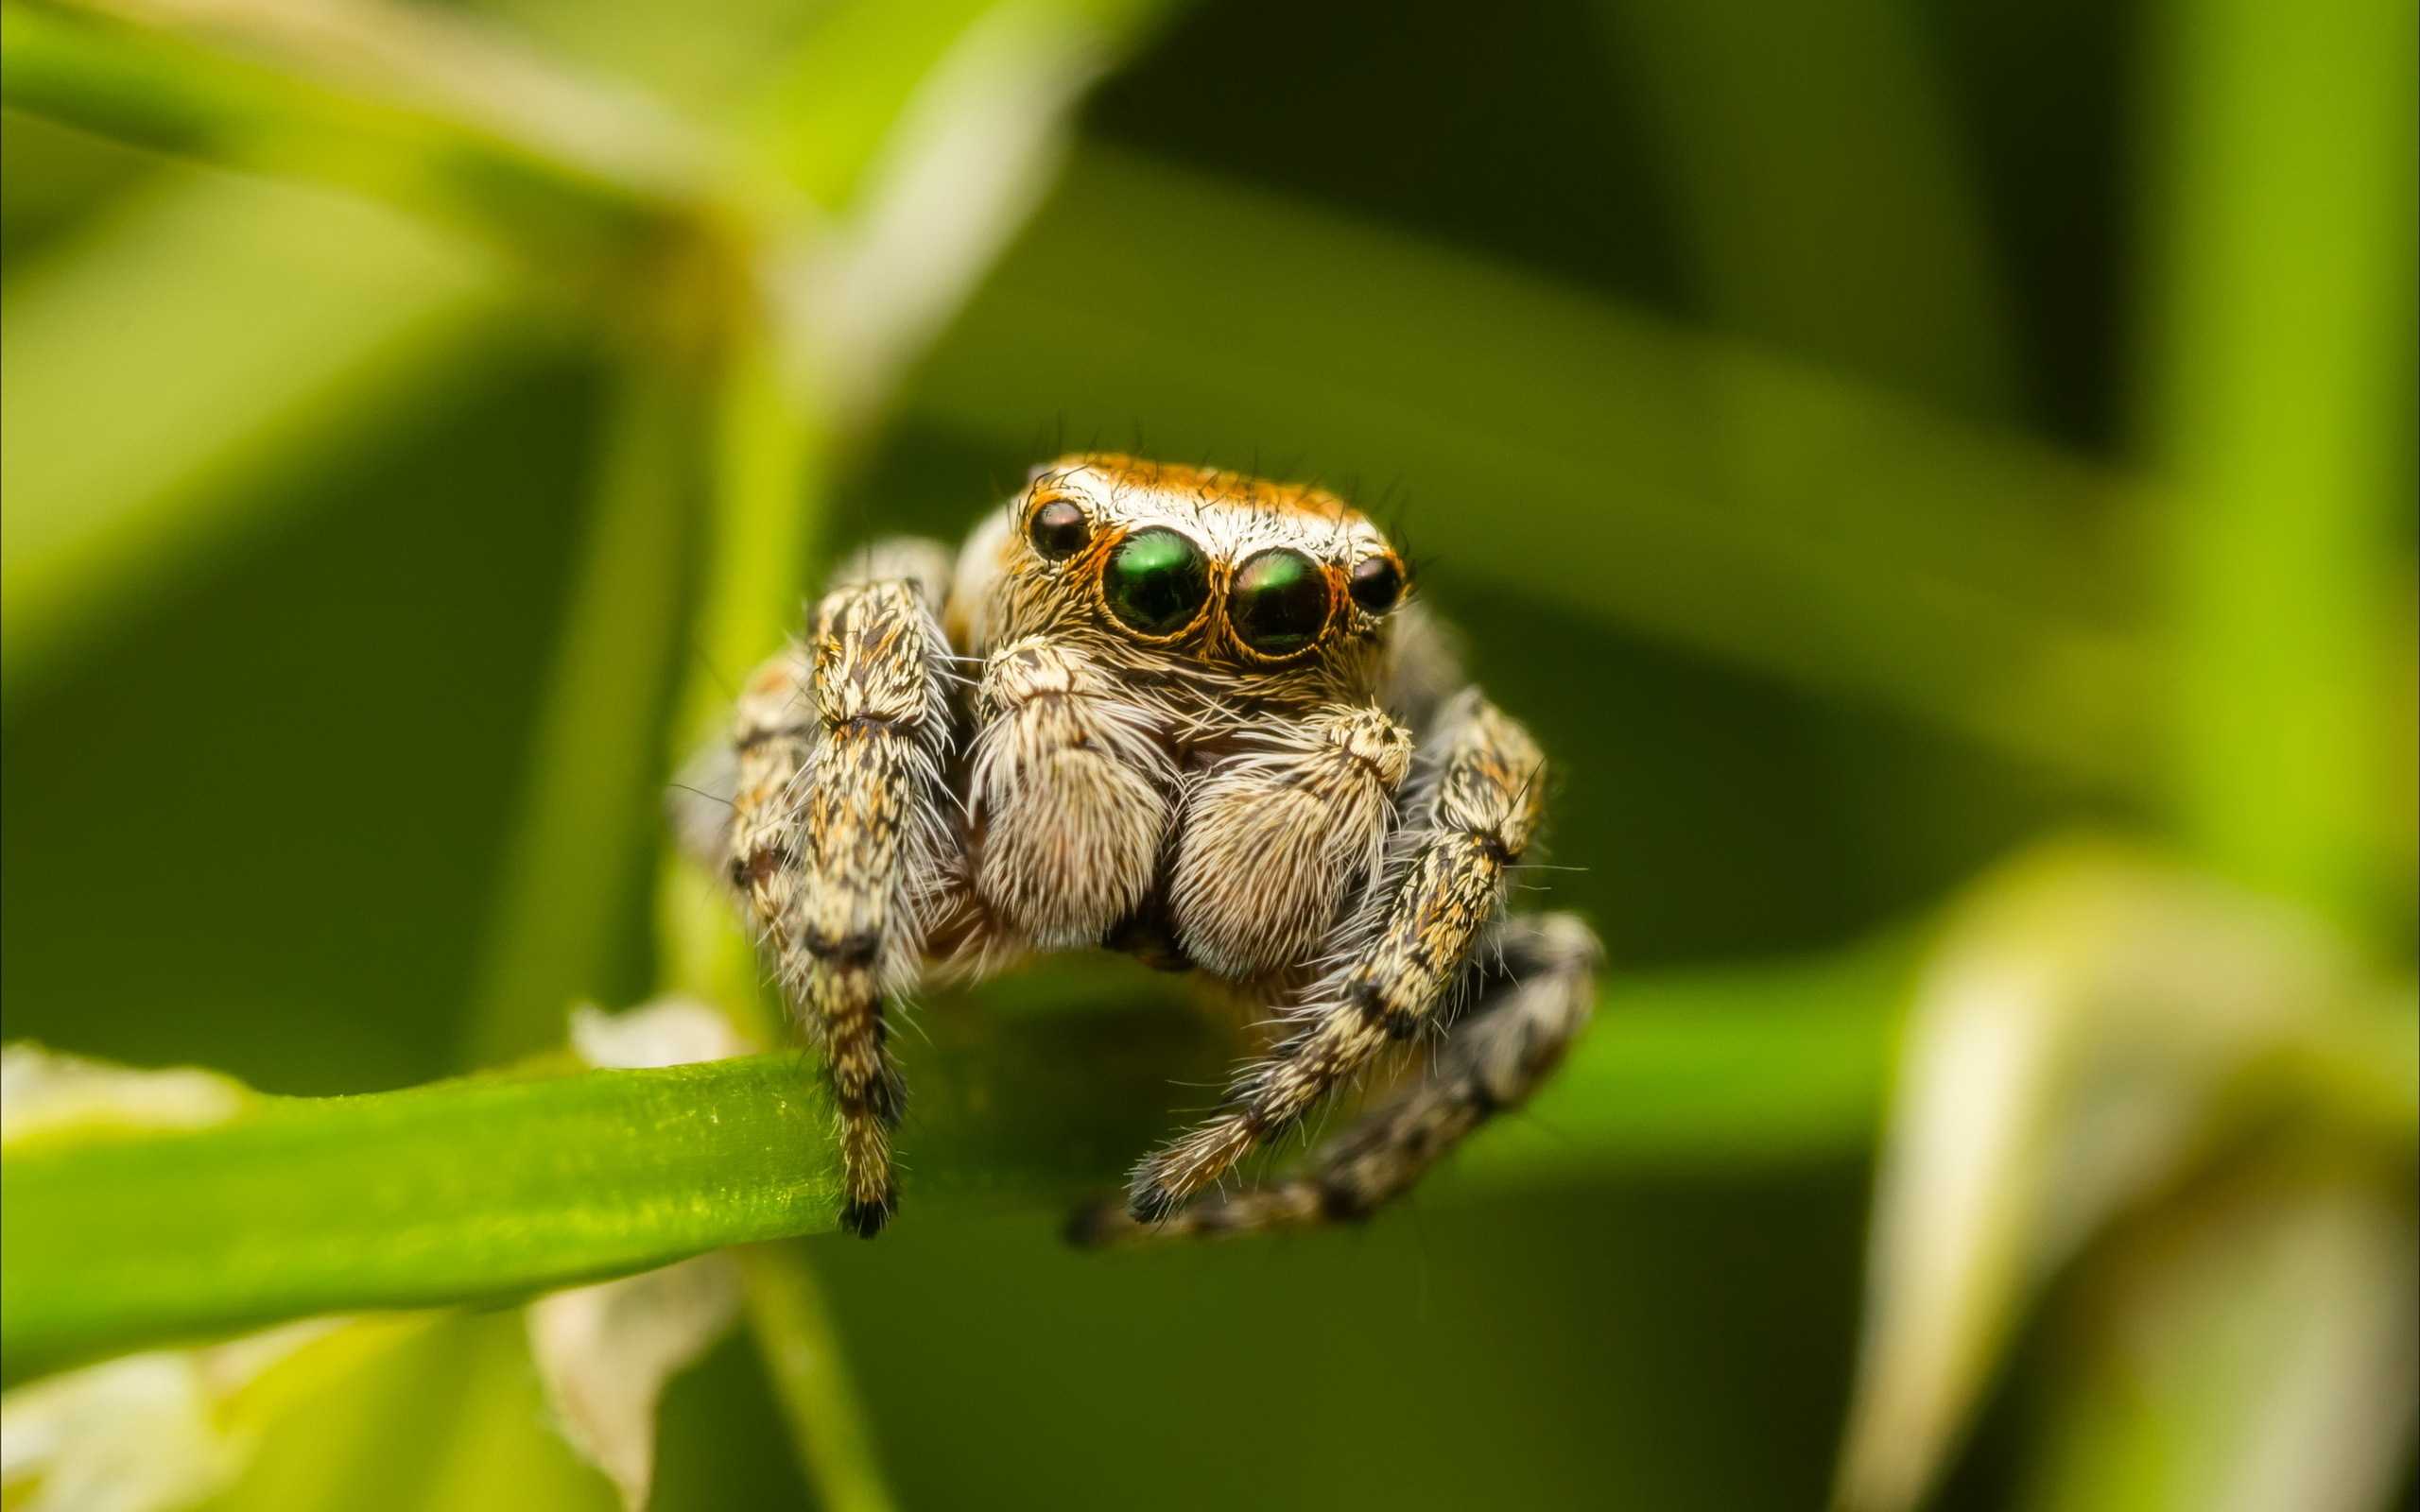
(838, 841)
(1531, 990)
(1469, 816)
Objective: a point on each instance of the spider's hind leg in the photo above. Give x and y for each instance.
(837, 838)
(1529, 991)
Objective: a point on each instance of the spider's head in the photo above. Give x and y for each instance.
(1211, 563)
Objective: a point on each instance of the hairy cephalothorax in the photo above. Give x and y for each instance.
(1179, 712)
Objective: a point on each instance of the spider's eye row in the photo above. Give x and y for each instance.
(1156, 582)
(1279, 602)
(1376, 584)
(1059, 531)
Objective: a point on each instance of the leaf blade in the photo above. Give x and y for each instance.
(497, 1186)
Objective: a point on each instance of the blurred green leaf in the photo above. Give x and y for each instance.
(2248, 1346)
(361, 1423)
(1818, 169)
(206, 334)
(495, 1450)
(824, 115)
(1739, 504)
(56, 178)
(424, 109)
(867, 62)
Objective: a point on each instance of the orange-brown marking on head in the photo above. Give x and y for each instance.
(1213, 485)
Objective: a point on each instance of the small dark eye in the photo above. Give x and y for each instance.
(1279, 602)
(1156, 582)
(1059, 531)
(1377, 582)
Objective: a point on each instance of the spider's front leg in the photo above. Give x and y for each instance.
(837, 838)
(1403, 957)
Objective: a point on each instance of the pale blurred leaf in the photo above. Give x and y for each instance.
(149, 1433)
(132, 1435)
(969, 153)
(2084, 1021)
(667, 1032)
(605, 1353)
(43, 1092)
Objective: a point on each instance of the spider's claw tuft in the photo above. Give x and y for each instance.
(865, 1219)
(1151, 1202)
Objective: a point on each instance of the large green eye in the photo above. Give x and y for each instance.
(1155, 581)
(1280, 602)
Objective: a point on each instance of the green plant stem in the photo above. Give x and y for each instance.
(494, 1186)
(590, 810)
(461, 1191)
(766, 447)
(769, 454)
(2282, 411)
(802, 1357)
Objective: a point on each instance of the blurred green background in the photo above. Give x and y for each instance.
(1860, 439)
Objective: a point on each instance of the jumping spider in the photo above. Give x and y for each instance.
(1208, 729)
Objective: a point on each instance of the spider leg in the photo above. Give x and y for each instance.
(1532, 988)
(1400, 951)
(837, 838)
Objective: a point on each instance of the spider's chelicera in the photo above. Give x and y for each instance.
(1211, 725)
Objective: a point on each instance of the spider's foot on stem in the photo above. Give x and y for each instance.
(866, 1219)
